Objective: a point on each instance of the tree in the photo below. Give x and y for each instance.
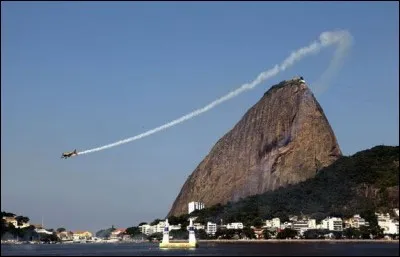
(4, 227)
(201, 234)
(21, 220)
(12, 229)
(195, 213)
(351, 233)
(365, 232)
(173, 220)
(201, 220)
(59, 230)
(158, 236)
(133, 231)
(47, 238)
(249, 232)
(257, 222)
(370, 217)
(182, 219)
(7, 214)
(337, 234)
(311, 234)
(220, 232)
(31, 227)
(287, 233)
(266, 234)
(100, 233)
(155, 222)
(375, 231)
(225, 233)
(142, 223)
(104, 233)
(179, 234)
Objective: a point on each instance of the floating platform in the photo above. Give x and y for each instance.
(166, 244)
(179, 245)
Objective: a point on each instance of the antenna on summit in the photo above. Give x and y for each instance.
(300, 79)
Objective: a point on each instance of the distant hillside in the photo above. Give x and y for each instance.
(368, 180)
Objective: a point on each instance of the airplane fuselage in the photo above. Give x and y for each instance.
(69, 154)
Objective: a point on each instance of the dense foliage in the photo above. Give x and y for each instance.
(105, 233)
(9, 231)
(340, 189)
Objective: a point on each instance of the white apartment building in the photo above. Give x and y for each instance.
(303, 225)
(274, 223)
(198, 226)
(300, 226)
(389, 225)
(14, 221)
(159, 228)
(211, 228)
(355, 222)
(286, 225)
(332, 223)
(221, 226)
(174, 227)
(192, 206)
(43, 231)
(312, 223)
(235, 225)
(146, 229)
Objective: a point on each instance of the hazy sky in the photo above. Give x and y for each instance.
(81, 75)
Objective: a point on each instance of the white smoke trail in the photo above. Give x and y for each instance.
(341, 37)
(336, 63)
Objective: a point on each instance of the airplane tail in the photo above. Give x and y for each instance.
(75, 152)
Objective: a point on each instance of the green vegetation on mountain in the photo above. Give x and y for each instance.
(105, 233)
(9, 231)
(365, 182)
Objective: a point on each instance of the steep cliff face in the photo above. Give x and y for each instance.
(283, 139)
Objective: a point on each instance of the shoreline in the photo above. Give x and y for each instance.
(236, 241)
(301, 241)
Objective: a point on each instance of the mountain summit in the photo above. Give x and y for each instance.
(285, 138)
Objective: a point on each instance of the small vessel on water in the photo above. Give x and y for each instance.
(192, 238)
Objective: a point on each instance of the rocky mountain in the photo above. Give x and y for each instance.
(283, 139)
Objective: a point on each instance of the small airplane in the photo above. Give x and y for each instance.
(69, 154)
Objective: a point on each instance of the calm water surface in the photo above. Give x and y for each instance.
(208, 249)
